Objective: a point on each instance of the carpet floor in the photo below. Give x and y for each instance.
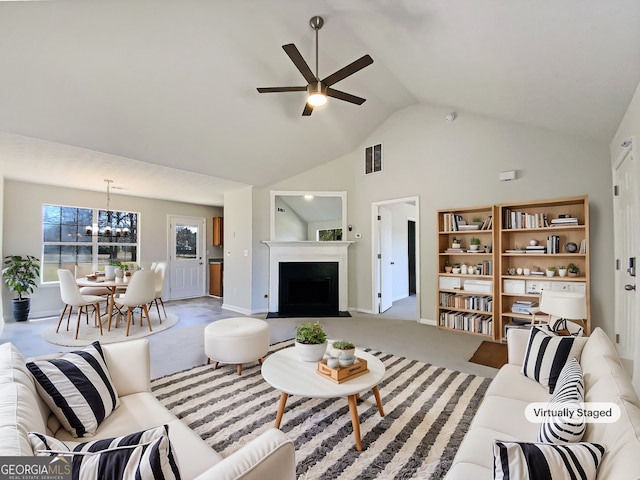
(427, 413)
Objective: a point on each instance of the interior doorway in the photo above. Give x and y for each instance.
(187, 249)
(395, 258)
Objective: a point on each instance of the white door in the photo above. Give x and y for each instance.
(625, 204)
(187, 269)
(385, 259)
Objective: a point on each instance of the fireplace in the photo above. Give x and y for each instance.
(311, 290)
(308, 288)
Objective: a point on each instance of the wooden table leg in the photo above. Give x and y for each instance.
(110, 308)
(355, 420)
(376, 393)
(283, 403)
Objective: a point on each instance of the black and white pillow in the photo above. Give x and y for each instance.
(145, 455)
(546, 354)
(545, 461)
(567, 397)
(77, 388)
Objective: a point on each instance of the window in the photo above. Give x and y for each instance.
(86, 238)
(330, 235)
(373, 159)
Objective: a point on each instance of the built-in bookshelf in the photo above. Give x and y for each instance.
(559, 229)
(519, 242)
(466, 270)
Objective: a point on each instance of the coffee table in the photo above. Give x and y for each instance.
(284, 371)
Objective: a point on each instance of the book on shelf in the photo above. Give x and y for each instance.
(523, 307)
(564, 221)
(455, 250)
(553, 244)
(514, 250)
(536, 249)
(583, 246)
(487, 224)
(452, 222)
(517, 220)
(472, 226)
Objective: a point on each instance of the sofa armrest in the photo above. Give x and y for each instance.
(129, 365)
(517, 339)
(271, 455)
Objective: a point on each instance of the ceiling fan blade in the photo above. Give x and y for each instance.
(308, 109)
(347, 97)
(298, 61)
(348, 70)
(281, 89)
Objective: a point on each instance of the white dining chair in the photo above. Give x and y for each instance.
(160, 273)
(141, 291)
(71, 296)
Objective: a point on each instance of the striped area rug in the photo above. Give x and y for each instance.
(427, 413)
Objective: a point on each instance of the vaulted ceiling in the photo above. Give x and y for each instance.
(123, 86)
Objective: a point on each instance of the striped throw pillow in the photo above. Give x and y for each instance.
(547, 353)
(569, 394)
(544, 461)
(77, 388)
(145, 455)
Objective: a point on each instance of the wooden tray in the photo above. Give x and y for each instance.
(342, 374)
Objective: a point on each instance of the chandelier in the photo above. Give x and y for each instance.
(108, 231)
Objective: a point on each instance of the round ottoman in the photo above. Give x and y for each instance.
(236, 340)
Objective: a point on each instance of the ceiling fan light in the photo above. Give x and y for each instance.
(316, 99)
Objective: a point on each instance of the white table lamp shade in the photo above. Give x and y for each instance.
(568, 305)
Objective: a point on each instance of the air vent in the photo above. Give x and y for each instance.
(373, 159)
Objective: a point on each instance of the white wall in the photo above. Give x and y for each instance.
(238, 238)
(22, 223)
(457, 165)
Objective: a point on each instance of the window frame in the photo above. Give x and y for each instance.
(93, 241)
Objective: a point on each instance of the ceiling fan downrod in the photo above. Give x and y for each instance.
(316, 23)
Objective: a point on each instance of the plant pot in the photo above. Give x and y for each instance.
(20, 309)
(550, 273)
(562, 272)
(447, 269)
(109, 272)
(455, 270)
(350, 351)
(572, 274)
(311, 352)
(474, 247)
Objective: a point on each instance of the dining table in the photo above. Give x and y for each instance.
(111, 285)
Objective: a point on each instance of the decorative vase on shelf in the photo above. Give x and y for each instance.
(562, 272)
(464, 269)
(550, 273)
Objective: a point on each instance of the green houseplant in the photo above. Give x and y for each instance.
(20, 275)
(343, 347)
(311, 341)
(474, 243)
(573, 270)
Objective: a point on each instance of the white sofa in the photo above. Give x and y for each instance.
(501, 415)
(269, 455)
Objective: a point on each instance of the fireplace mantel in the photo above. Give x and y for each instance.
(280, 251)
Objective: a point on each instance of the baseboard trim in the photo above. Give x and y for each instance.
(426, 321)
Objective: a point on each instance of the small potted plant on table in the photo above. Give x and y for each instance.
(20, 274)
(474, 243)
(311, 341)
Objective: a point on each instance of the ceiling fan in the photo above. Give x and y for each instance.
(318, 90)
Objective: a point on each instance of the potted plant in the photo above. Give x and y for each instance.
(20, 275)
(573, 270)
(343, 347)
(447, 266)
(562, 270)
(477, 220)
(551, 271)
(474, 243)
(311, 341)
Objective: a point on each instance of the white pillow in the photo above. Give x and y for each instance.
(568, 394)
(145, 455)
(77, 388)
(546, 354)
(546, 461)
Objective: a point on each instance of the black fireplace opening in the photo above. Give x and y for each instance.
(308, 288)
